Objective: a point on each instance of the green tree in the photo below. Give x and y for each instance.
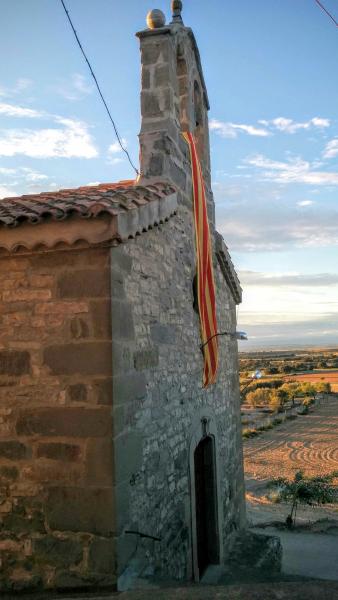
(278, 398)
(323, 387)
(258, 396)
(305, 490)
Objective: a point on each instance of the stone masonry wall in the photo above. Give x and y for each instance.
(158, 397)
(56, 472)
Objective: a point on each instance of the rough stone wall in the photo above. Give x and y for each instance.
(158, 396)
(56, 472)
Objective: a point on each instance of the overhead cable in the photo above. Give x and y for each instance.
(99, 90)
(327, 12)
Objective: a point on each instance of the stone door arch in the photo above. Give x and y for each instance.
(206, 515)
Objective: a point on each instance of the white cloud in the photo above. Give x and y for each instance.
(71, 141)
(260, 222)
(33, 176)
(231, 130)
(5, 171)
(331, 149)
(115, 148)
(6, 192)
(21, 85)
(75, 88)
(10, 110)
(294, 171)
(305, 203)
(289, 126)
(115, 160)
(256, 278)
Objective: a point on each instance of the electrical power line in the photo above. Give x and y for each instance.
(99, 90)
(327, 12)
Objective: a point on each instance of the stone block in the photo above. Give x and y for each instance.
(25, 295)
(162, 75)
(122, 495)
(163, 334)
(121, 260)
(127, 388)
(150, 53)
(100, 311)
(156, 165)
(146, 359)
(99, 464)
(87, 283)
(150, 106)
(73, 580)
(102, 558)
(58, 552)
(59, 451)
(128, 450)
(77, 509)
(79, 328)
(145, 78)
(14, 362)
(256, 551)
(66, 421)
(178, 175)
(122, 320)
(77, 392)
(13, 450)
(104, 391)
(84, 358)
(8, 473)
(19, 524)
(117, 285)
(122, 356)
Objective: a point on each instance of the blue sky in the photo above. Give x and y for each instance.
(270, 69)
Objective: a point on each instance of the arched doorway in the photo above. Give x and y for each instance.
(207, 537)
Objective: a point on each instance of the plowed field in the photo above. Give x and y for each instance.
(308, 444)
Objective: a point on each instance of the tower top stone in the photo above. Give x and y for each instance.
(176, 7)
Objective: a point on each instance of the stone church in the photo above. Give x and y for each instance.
(115, 462)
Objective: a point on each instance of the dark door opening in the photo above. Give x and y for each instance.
(206, 505)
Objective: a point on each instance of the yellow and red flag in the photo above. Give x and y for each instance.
(205, 276)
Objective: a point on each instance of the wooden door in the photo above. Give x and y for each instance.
(206, 505)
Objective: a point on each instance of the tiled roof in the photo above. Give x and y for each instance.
(105, 213)
(86, 202)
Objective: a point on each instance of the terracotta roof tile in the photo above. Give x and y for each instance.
(86, 202)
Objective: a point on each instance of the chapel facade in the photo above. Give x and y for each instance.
(115, 462)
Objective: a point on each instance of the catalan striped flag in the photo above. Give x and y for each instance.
(205, 276)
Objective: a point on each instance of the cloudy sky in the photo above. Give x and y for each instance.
(270, 69)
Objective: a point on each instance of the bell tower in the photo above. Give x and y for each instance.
(173, 99)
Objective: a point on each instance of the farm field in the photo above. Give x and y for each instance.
(309, 444)
(320, 376)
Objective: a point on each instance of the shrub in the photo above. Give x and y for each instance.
(265, 427)
(249, 433)
(291, 417)
(258, 396)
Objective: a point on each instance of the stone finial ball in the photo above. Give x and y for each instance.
(155, 19)
(176, 5)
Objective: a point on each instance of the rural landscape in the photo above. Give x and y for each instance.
(289, 419)
(168, 300)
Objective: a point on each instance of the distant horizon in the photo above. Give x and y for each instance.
(285, 348)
